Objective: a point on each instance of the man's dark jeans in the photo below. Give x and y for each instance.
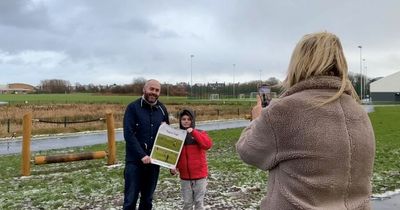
(140, 178)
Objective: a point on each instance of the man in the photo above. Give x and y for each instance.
(142, 119)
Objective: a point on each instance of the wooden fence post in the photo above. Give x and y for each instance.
(111, 159)
(26, 144)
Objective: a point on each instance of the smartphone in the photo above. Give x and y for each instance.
(265, 94)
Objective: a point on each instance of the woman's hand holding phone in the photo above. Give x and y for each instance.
(265, 93)
(256, 111)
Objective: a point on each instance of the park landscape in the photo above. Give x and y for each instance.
(74, 66)
(87, 107)
(91, 184)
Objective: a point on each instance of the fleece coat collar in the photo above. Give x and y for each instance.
(317, 82)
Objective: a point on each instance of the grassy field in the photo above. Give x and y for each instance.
(11, 116)
(91, 184)
(386, 122)
(232, 184)
(64, 98)
(83, 107)
(89, 98)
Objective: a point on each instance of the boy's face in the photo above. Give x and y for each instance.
(186, 122)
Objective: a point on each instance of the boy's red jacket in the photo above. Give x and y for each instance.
(192, 162)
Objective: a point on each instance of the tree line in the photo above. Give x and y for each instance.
(199, 90)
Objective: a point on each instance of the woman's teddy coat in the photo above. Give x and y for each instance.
(317, 157)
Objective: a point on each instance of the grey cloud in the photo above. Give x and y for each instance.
(23, 14)
(165, 34)
(156, 38)
(137, 24)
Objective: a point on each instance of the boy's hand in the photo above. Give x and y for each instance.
(173, 172)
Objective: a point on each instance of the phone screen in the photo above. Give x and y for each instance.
(265, 94)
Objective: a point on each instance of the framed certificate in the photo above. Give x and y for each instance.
(167, 146)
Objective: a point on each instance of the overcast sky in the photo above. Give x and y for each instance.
(107, 42)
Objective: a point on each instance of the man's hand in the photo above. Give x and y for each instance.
(256, 111)
(146, 159)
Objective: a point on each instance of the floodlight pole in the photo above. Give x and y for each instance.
(191, 75)
(234, 80)
(361, 82)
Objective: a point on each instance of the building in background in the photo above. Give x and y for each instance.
(17, 88)
(386, 89)
(3, 88)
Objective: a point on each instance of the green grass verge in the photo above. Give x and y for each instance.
(65, 98)
(89, 98)
(90, 184)
(386, 123)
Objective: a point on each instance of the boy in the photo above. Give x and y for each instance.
(192, 165)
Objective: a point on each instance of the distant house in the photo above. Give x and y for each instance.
(3, 89)
(386, 89)
(17, 88)
(216, 85)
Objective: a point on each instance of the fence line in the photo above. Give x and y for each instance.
(26, 143)
(65, 122)
(10, 124)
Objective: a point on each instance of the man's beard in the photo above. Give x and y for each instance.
(150, 99)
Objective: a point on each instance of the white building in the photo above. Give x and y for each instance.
(386, 89)
(3, 88)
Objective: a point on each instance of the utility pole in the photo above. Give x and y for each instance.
(361, 80)
(234, 80)
(191, 75)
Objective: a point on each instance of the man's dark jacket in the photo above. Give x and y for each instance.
(141, 123)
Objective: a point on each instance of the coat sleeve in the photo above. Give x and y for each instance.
(257, 144)
(202, 139)
(133, 145)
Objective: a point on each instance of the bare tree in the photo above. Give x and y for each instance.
(137, 85)
(55, 86)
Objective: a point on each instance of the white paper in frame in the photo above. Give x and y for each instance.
(167, 146)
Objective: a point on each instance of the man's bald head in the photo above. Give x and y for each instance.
(151, 90)
(151, 82)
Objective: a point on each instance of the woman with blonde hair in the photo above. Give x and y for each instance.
(315, 140)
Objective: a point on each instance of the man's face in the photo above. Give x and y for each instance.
(151, 91)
